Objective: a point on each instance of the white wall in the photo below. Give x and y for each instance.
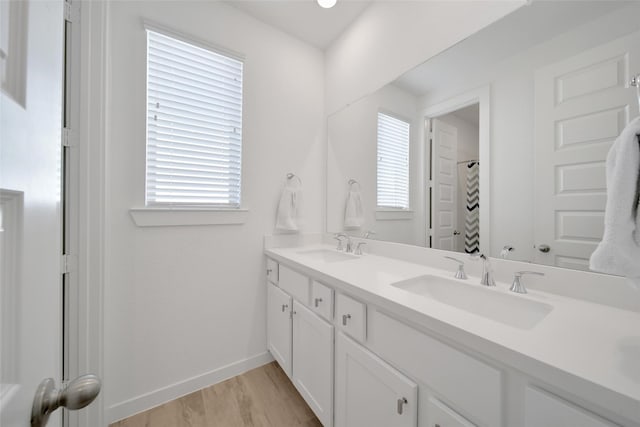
(184, 302)
(387, 40)
(352, 136)
(512, 124)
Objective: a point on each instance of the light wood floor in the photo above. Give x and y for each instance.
(262, 397)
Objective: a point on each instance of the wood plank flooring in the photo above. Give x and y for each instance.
(262, 397)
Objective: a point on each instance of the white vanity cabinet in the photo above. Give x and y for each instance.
(370, 392)
(279, 327)
(544, 409)
(313, 361)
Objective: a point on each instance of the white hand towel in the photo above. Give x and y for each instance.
(619, 251)
(353, 213)
(287, 216)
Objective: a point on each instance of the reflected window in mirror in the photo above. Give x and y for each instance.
(393, 162)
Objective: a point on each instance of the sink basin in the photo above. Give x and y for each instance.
(490, 303)
(327, 255)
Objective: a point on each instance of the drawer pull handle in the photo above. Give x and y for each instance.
(284, 307)
(345, 317)
(401, 402)
(317, 301)
(269, 271)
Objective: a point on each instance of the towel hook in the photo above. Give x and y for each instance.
(353, 182)
(290, 176)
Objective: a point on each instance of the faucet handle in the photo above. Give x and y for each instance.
(368, 233)
(358, 250)
(517, 285)
(460, 274)
(338, 237)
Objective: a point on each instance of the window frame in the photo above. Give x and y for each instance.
(221, 213)
(381, 211)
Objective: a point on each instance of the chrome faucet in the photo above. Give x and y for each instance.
(358, 250)
(487, 272)
(517, 286)
(349, 247)
(460, 274)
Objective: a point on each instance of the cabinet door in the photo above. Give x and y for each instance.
(369, 392)
(313, 361)
(544, 409)
(279, 326)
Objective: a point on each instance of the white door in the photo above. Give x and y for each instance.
(444, 183)
(369, 392)
(313, 361)
(582, 104)
(30, 167)
(279, 309)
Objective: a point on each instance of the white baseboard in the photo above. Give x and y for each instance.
(157, 397)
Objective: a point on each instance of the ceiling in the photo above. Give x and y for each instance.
(304, 19)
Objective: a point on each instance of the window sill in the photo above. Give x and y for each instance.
(172, 217)
(393, 215)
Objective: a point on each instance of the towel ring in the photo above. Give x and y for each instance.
(290, 176)
(353, 182)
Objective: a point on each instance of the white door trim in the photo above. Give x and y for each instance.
(480, 96)
(92, 242)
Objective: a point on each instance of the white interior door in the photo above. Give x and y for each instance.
(444, 156)
(582, 104)
(30, 179)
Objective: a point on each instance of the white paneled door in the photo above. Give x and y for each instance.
(30, 183)
(581, 106)
(444, 156)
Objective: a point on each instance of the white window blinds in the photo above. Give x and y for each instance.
(393, 162)
(194, 125)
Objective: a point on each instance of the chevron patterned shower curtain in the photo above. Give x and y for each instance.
(472, 213)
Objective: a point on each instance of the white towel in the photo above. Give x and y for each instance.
(353, 213)
(287, 216)
(619, 251)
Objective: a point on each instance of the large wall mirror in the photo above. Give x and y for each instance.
(498, 144)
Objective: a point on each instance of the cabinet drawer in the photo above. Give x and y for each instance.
(322, 300)
(351, 316)
(471, 386)
(272, 271)
(440, 415)
(545, 409)
(294, 283)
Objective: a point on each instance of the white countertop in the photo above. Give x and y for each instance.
(588, 349)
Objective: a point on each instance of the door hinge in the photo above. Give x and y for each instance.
(67, 137)
(69, 263)
(430, 232)
(430, 183)
(72, 11)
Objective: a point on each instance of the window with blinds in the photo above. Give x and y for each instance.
(194, 125)
(393, 162)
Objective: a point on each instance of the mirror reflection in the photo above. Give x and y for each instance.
(497, 145)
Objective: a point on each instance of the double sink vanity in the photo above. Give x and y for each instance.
(391, 338)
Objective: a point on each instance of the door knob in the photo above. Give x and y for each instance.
(456, 233)
(544, 248)
(76, 395)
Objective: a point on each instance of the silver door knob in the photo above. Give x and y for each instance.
(544, 248)
(76, 395)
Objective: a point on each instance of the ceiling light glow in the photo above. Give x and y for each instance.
(326, 3)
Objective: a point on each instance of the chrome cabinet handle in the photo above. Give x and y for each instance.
(317, 301)
(401, 402)
(76, 395)
(544, 248)
(269, 270)
(284, 307)
(345, 317)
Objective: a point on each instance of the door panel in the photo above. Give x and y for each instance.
(313, 361)
(30, 169)
(581, 106)
(444, 211)
(279, 306)
(369, 392)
